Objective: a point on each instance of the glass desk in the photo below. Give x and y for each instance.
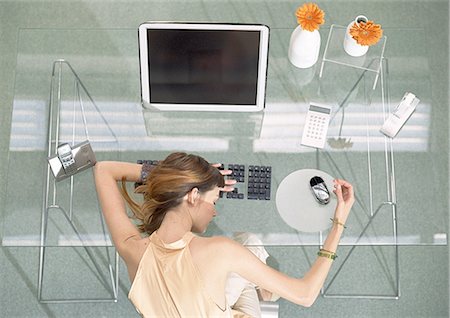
(106, 62)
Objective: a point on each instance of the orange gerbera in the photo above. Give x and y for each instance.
(310, 16)
(366, 33)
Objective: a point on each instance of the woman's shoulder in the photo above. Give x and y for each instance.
(215, 245)
(216, 251)
(213, 240)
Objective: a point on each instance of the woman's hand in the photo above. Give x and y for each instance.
(345, 198)
(229, 183)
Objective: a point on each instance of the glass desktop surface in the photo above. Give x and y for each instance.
(106, 61)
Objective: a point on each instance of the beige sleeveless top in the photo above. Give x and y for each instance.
(168, 284)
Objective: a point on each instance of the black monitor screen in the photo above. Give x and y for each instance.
(203, 66)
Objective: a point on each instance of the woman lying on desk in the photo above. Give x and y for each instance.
(178, 274)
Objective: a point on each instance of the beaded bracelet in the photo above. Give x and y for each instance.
(146, 168)
(336, 221)
(145, 171)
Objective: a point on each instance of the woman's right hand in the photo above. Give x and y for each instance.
(345, 199)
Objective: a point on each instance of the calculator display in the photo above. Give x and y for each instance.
(319, 109)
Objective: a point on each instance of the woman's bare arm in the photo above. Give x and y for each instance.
(302, 291)
(106, 174)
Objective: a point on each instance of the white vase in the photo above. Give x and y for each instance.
(350, 45)
(304, 47)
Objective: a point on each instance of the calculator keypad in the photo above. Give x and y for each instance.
(315, 130)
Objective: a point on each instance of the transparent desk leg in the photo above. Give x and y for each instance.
(114, 274)
(50, 199)
(391, 201)
(389, 161)
(397, 273)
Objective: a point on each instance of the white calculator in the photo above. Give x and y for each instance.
(316, 125)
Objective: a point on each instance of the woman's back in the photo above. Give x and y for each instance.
(168, 281)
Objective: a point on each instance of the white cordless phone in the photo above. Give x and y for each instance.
(316, 126)
(400, 115)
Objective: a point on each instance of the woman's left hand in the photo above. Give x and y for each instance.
(229, 183)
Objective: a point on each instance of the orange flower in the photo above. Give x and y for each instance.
(366, 33)
(310, 16)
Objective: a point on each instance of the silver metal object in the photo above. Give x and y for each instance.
(69, 161)
(319, 190)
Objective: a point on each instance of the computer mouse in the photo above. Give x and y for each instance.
(319, 190)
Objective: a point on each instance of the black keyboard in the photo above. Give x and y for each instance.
(259, 182)
(256, 180)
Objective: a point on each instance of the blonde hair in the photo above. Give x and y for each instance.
(166, 186)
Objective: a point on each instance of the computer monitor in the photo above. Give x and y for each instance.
(203, 66)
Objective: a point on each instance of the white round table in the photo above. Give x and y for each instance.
(297, 205)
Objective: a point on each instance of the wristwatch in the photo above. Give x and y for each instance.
(65, 155)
